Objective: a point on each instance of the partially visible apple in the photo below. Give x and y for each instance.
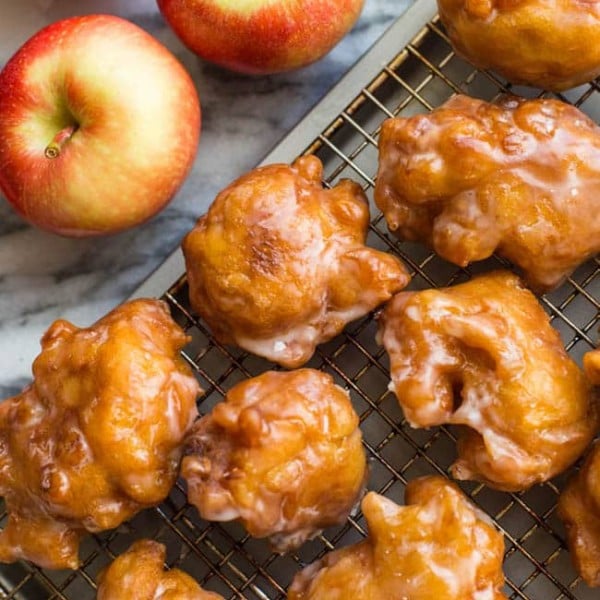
(99, 126)
(261, 36)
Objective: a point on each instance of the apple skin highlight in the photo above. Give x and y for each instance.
(99, 126)
(259, 37)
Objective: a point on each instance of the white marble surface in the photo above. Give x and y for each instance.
(43, 277)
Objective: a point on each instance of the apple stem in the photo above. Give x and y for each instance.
(60, 139)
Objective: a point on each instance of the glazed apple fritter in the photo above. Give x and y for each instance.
(98, 435)
(483, 355)
(551, 44)
(579, 503)
(579, 508)
(520, 177)
(278, 265)
(438, 546)
(282, 453)
(139, 574)
(591, 366)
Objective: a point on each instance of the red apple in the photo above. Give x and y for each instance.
(99, 126)
(261, 36)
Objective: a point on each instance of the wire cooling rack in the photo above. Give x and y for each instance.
(412, 69)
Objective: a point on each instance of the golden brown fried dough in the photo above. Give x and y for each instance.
(282, 453)
(483, 355)
(579, 508)
(139, 574)
(278, 265)
(98, 435)
(579, 503)
(438, 546)
(551, 44)
(521, 177)
(591, 366)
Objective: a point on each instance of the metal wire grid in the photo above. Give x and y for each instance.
(222, 557)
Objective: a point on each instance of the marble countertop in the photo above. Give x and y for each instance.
(44, 277)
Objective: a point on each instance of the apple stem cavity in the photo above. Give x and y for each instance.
(54, 148)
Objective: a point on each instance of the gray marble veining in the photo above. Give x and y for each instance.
(44, 277)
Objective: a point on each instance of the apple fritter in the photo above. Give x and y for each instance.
(98, 435)
(579, 508)
(591, 366)
(551, 44)
(278, 265)
(282, 453)
(437, 546)
(483, 355)
(519, 177)
(139, 574)
(579, 503)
